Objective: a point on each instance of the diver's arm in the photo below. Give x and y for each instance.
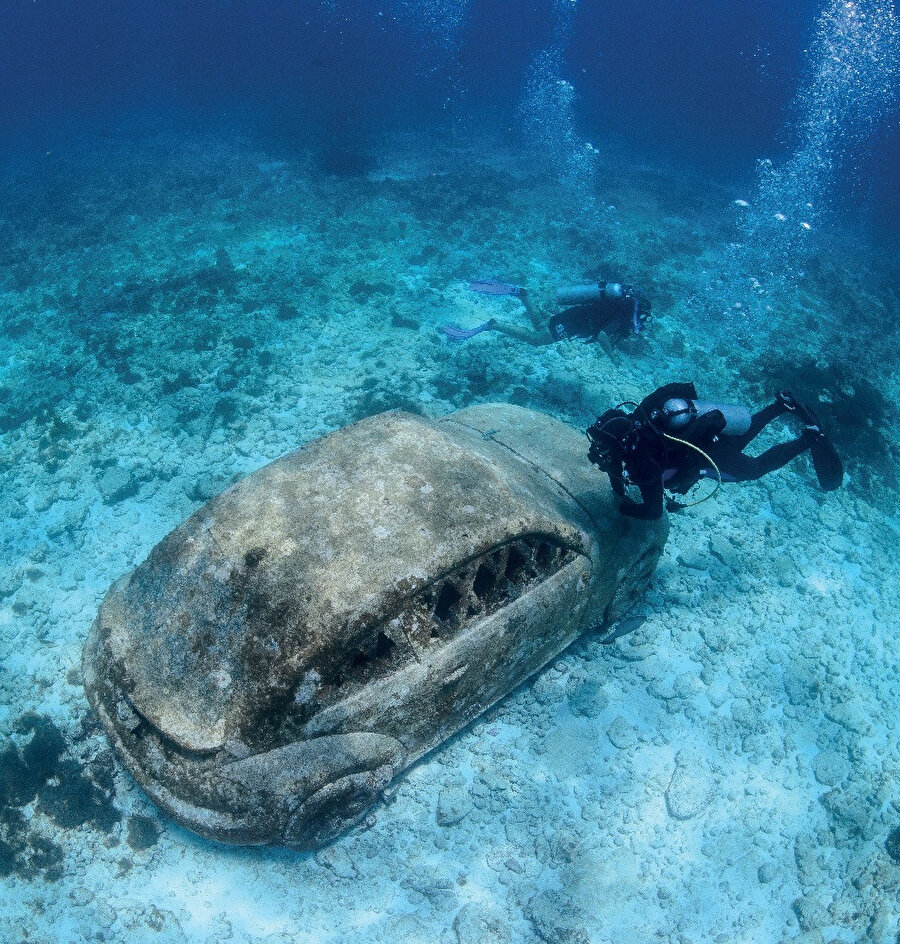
(606, 344)
(617, 481)
(537, 319)
(651, 506)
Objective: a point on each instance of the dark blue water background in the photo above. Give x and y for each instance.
(709, 81)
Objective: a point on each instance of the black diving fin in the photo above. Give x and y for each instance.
(825, 460)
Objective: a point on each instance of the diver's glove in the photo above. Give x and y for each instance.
(673, 505)
(595, 454)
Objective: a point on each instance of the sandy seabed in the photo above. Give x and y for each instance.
(177, 312)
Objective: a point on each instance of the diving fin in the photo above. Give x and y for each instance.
(825, 460)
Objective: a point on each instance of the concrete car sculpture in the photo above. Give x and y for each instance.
(308, 634)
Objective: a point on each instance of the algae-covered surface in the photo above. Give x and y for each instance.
(176, 311)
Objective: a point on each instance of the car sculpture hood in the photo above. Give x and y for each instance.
(308, 634)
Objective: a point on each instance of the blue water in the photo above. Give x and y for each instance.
(229, 228)
(708, 81)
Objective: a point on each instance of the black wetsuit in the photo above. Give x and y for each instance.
(613, 316)
(653, 462)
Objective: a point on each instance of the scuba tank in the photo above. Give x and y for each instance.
(676, 414)
(587, 294)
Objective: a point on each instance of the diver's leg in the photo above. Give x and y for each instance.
(743, 468)
(535, 338)
(758, 422)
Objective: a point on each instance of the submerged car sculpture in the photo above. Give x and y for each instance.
(308, 634)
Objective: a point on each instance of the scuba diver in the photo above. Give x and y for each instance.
(672, 440)
(594, 312)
